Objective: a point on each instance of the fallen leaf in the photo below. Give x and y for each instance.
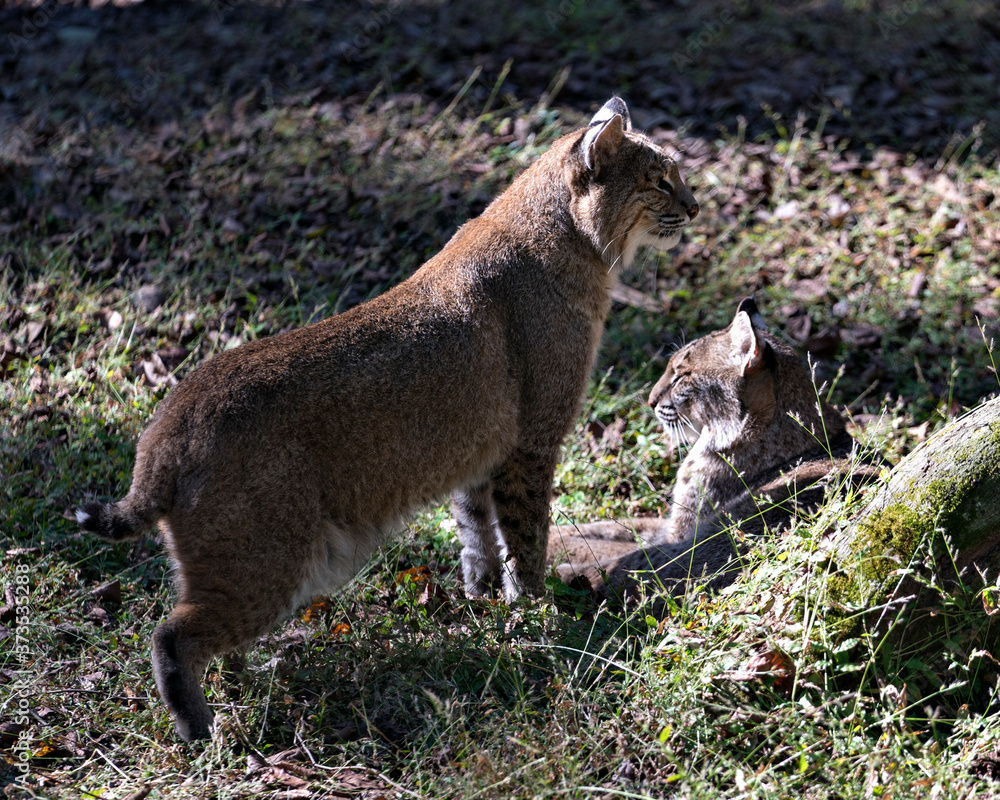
(862, 336)
(149, 298)
(24, 551)
(98, 614)
(823, 344)
(39, 382)
(798, 325)
(772, 663)
(985, 308)
(33, 330)
(346, 732)
(413, 574)
(109, 592)
(810, 291)
(606, 438)
(919, 432)
(156, 371)
(837, 209)
(10, 731)
(70, 633)
(172, 357)
(786, 210)
(316, 607)
(9, 353)
(986, 765)
(917, 284)
(232, 229)
(113, 320)
(281, 769)
(628, 296)
(137, 702)
(991, 600)
(57, 748)
(433, 596)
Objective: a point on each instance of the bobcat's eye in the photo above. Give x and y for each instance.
(664, 185)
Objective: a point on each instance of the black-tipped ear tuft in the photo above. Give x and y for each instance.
(749, 305)
(749, 347)
(614, 106)
(601, 141)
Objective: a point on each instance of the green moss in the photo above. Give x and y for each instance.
(841, 589)
(889, 539)
(953, 505)
(843, 598)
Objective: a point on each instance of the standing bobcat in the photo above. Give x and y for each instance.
(277, 468)
(765, 446)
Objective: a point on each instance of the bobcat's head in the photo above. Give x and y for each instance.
(721, 386)
(626, 191)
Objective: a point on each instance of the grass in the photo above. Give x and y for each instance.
(251, 219)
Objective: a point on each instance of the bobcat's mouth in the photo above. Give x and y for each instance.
(666, 241)
(680, 428)
(668, 231)
(664, 238)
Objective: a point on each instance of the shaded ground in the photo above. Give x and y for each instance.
(910, 75)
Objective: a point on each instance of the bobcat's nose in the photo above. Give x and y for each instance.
(692, 210)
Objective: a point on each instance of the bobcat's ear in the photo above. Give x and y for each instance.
(749, 305)
(601, 141)
(614, 106)
(748, 346)
(605, 132)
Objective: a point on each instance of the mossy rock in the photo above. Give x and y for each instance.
(937, 512)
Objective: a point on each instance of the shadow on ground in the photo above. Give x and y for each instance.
(909, 75)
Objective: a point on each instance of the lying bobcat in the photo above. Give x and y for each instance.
(765, 447)
(277, 468)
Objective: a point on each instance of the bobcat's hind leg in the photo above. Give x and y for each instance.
(220, 611)
(522, 488)
(203, 625)
(182, 648)
(476, 519)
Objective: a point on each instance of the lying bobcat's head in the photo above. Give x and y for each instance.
(722, 386)
(626, 191)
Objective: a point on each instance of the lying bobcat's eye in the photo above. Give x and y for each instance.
(664, 185)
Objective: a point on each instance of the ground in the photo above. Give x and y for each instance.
(176, 179)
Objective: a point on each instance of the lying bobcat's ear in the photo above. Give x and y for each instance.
(748, 346)
(749, 305)
(605, 132)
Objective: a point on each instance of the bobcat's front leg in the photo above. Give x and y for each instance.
(522, 488)
(475, 516)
